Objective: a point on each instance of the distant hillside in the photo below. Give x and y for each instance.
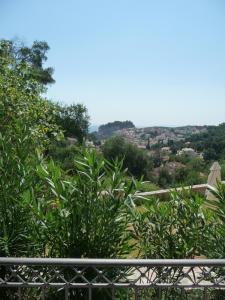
(109, 129)
(155, 135)
(147, 135)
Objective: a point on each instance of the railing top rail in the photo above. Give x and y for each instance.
(111, 262)
(179, 189)
(197, 187)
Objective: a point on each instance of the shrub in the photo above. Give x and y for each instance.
(84, 216)
(178, 228)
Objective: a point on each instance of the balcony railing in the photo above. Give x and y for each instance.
(37, 278)
(213, 178)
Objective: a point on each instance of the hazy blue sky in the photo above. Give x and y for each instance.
(155, 62)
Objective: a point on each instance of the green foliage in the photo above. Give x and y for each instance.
(222, 164)
(218, 208)
(16, 175)
(181, 175)
(148, 147)
(157, 159)
(196, 164)
(16, 54)
(148, 186)
(86, 216)
(26, 127)
(175, 146)
(192, 171)
(64, 155)
(178, 228)
(135, 160)
(23, 113)
(188, 176)
(211, 142)
(165, 178)
(218, 205)
(74, 121)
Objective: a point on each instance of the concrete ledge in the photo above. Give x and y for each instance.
(200, 188)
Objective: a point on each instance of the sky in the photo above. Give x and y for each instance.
(154, 62)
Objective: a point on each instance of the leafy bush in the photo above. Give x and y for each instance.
(178, 228)
(86, 215)
(64, 154)
(16, 176)
(165, 178)
(223, 170)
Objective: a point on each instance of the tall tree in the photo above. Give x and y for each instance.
(135, 160)
(27, 124)
(15, 53)
(74, 120)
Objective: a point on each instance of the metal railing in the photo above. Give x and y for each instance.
(37, 278)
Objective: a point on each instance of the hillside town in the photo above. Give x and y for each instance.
(155, 135)
(152, 137)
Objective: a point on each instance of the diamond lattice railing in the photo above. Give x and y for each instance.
(49, 278)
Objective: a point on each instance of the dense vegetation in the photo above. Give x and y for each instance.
(74, 120)
(134, 159)
(211, 143)
(94, 210)
(177, 171)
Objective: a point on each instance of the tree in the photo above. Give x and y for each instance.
(181, 175)
(136, 160)
(148, 147)
(74, 121)
(165, 179)
(210, 154)
(16, 54)
(157, 159)
(26, 126)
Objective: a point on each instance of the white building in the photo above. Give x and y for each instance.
(187, 151)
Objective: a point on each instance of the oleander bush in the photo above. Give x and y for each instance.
(180, 227)
(86, 215)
